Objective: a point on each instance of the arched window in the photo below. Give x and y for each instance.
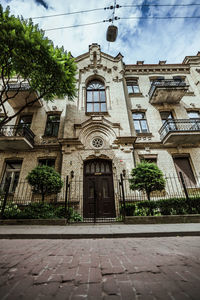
(96, 97)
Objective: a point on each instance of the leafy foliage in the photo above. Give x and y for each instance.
(39, 211)
(11, 210)
(30, 57)
(147, 177)
(45, 180)
(172, 206)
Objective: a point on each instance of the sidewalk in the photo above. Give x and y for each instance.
(78, 231)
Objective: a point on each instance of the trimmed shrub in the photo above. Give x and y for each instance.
(147, 177)
(45, 181)
(172, 206)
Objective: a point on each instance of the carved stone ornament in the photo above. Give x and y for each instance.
(97, 142)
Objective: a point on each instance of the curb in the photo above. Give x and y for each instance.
(98, 236)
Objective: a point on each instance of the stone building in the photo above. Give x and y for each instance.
(122, 114)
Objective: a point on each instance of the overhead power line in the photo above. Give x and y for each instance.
(167, 5)
(70, 13)
(160, 18)
(72, 26)
(123, 18)
(113, 7)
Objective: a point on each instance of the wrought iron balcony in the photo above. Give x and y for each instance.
(167, 91)
(16, 86)
(16, 137)
(182, 131)
(21, 94)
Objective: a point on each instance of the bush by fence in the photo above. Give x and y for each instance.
(40, 211)
(173, 206)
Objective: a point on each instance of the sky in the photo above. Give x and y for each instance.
(138, 39)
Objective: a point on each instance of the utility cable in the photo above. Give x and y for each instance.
(117, 6)
(159, 18)
(76, 12)
(165, 5)
(122, 18)
(72, 26)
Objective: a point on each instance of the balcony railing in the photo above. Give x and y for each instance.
(167, 83)
(21, 130)
(181, 125)
(16, 86)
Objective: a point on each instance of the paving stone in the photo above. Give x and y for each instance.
(142, 269)
(110, 286)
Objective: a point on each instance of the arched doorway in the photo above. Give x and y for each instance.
(98, 201)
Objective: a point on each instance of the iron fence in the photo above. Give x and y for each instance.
(71, 196)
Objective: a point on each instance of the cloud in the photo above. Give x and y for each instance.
(149, 40)
(42, 2)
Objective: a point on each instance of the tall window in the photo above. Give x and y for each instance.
(25, 120)
(52, 126)
(140, 122)
(11, 175)
(194, 115)
(133, 87)
(166, 115)
(50, 162)
(96, 97)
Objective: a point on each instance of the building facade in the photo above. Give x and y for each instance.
(122, 114)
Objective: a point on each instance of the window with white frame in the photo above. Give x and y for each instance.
(96, 97)
(11, 175)
(140, 122)
(133, 86)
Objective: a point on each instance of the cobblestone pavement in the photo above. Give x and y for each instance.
(129, 268)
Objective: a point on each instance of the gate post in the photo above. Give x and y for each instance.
(5, 197)
(123, 197)
(185, 191)
(66, 199)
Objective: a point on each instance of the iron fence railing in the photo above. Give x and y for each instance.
(180, 125)
(21, 130)
(71, 195)
(165, 84)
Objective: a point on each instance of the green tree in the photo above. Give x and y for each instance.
(31, 58)
(45, 181)
(147, 177)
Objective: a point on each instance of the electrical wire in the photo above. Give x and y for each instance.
(70, 13)
(122, 18)
(72, 26)
(167, 5)
(160, 18)
(117, 6)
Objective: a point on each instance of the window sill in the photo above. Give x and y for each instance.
(50, 136)
(135, 95)
(144, 134)
(97, 113)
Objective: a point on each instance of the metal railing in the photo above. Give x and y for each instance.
(17, 85)
(71, 195)
(21, 130)
(165, 84)
(181, 125)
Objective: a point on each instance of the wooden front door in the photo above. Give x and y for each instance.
(98, 189)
